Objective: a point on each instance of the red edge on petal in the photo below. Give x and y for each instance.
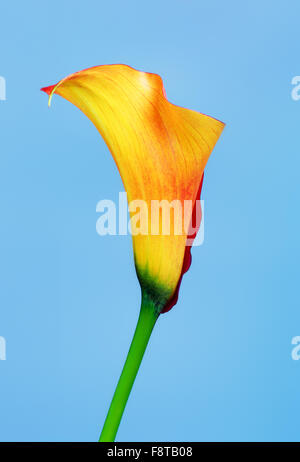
(48, 90)
(187, 259)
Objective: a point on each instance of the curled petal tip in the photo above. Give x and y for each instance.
(49, 91)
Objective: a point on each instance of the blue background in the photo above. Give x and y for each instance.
(219, 364)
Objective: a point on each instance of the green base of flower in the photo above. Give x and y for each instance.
(147, 319)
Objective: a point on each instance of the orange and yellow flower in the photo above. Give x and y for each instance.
(161, 151)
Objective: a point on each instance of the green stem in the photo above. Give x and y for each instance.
(147, 319)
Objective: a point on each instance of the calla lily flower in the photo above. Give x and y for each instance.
(161, 151)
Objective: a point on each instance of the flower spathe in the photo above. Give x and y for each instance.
(160, 150)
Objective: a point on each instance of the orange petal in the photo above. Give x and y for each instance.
(161, 151)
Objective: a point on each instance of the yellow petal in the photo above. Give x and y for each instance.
(160, 149)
